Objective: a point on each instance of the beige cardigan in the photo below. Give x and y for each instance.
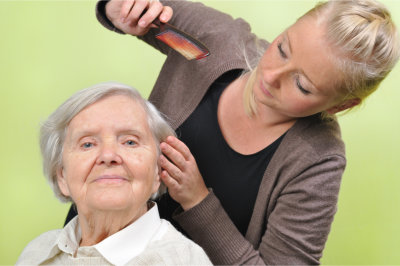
(61, 247)
(298, 194)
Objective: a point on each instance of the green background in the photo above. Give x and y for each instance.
(50, 49)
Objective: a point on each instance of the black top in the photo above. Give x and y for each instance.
(234, 177)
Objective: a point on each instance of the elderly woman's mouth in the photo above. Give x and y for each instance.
(110, 179)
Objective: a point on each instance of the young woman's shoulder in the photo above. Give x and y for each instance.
(322, 136)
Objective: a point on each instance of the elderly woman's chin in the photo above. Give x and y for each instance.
(115, 197)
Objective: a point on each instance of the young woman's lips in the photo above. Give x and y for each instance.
(266, 92)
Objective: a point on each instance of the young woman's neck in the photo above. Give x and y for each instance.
(270, 118)
(247, 134)
(265, 116)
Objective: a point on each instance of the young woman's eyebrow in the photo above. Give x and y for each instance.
(286, 37)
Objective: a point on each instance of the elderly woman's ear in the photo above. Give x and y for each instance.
(62, 183)
(157, 178)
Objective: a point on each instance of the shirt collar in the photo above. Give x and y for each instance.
(70, 237)
(67, 240)
(126, 244)
(120, 247)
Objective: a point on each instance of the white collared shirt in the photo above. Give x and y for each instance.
(126, 244)
(148, 240)
(120, 247)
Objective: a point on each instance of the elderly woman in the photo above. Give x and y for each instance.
(100, 150)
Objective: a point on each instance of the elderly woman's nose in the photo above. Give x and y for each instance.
(109, 154)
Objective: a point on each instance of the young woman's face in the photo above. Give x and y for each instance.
(110, 158)
(296, 77)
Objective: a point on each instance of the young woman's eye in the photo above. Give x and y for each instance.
(301, 88)
(281, 52)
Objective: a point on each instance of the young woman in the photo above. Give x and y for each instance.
(255, 174)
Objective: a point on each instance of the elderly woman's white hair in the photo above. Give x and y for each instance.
(53, 130)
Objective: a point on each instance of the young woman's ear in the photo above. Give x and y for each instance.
(343, 106)
(62, 183)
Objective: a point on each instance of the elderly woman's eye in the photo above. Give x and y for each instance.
(87, 145)
(130, 142)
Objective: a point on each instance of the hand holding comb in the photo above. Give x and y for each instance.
(129, 17)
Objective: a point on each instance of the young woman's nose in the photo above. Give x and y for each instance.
(109, 154)
(274, 77)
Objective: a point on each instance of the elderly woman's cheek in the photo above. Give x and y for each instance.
(144, 165)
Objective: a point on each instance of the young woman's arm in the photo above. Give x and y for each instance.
(296, 221)
(196, 19)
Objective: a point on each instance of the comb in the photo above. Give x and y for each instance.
(180, 41)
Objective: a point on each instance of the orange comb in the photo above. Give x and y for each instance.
(181, 42)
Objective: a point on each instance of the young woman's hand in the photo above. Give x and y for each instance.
(180, 173)
(126, 15)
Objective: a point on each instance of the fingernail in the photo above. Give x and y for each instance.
(163, 18)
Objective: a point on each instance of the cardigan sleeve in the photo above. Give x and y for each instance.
(299, 224)
(203, 23)
(210, 226)
(102, 18)
(295, 231)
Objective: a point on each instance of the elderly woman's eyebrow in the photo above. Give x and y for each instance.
(132, 132)
(78, 134)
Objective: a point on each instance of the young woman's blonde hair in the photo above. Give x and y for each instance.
(365, 42)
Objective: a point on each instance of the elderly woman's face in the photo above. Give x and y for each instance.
(110, 158)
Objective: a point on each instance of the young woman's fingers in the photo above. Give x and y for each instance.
(174, 155)
(172, 169)
(151, 14)
(166, 14)
(179, 146)
(170, 182)
(125, 9)
(136, 11)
